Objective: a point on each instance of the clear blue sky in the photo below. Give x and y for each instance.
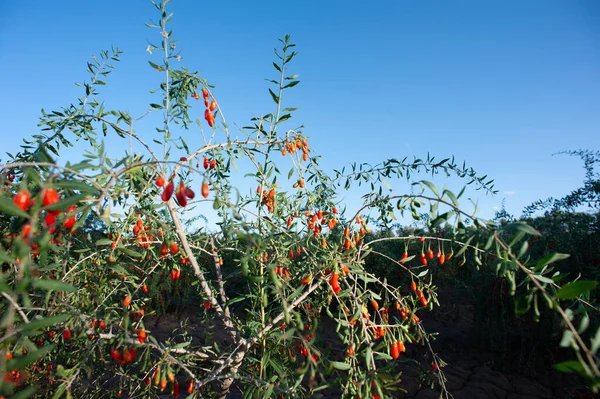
(500, 84)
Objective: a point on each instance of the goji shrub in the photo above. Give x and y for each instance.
(91, 250)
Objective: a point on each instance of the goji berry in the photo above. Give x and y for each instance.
(395, 352)
(168, 192)
(430, 254)
(142, 336)
(70, 222)
(164, 250)
(50, 197)
(375, 304)
(335, 285)
(180, 195)
(22, 199)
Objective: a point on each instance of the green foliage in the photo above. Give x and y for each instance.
(107, 245)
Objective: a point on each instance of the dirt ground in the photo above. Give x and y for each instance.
(470, 372)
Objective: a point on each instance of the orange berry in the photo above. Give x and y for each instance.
(205, 190)
(375, 304)
(142, 336)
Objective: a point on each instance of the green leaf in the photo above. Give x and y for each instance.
(7, 207)
(53, 285)
(5, 258)
(291, 84)
(22, 362)
(431, 187)
(157, 67)
(575, 289)
(525, 228)
(452, 197)
(595, 342)
(77, 185)
(522, 304)
(340, 365)
(25, 393)
(465, 246)
(104, 241)
(130, 252)
(567, 339)
(35, 325)
(284, 117)
(67, 202)
(236, 300)
(60, 391)
(440, 219)
(275, 98)
(550, 258)
(570, 366)
(543, 279)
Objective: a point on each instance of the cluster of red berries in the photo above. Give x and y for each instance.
(267, 199)
(210, 107)
(182, 194)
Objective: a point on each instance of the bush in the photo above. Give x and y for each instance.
(93, 249)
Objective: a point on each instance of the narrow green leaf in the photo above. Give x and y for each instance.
(465, 246)
(440, 219)
(21, 362)
(284, 117)
(236, 300)
(567, 339)
(35, 325)
(130, 252)
(157, 67)
(60, 391)
(522, 304)
(291, 84)
(570, 366)
(25, 393)
(525, 228)
(64, 204)
(550, 258)
(274, 96)
(431, 186)
(575, 289)
(76, 185)
(340, 365)
(7, 207)
(53, 285)
(543, 279)
(595, 342)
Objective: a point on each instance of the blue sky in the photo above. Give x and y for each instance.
(500, 84)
